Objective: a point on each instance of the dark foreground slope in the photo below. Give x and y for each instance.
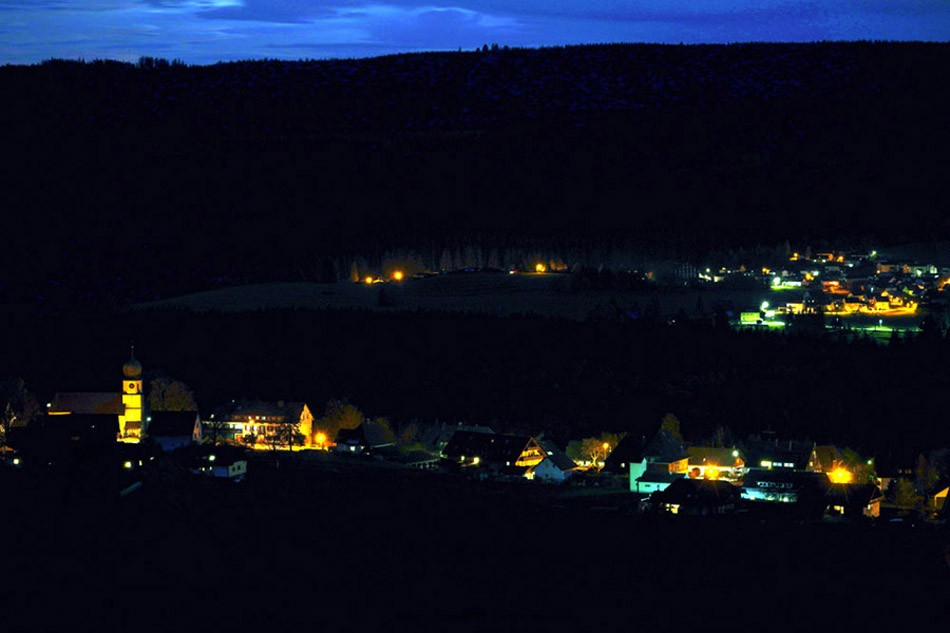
(366, 549)
(162, 178)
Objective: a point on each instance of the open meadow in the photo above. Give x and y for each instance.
(500, 294)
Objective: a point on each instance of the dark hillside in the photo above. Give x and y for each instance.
(128, 181)
(528, 375)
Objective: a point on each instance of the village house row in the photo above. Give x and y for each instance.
(665, 472)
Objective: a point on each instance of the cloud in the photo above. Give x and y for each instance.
(204, 31)
(61, 5)
(432, 27)
(281, 11)
(191, 5)
(86, 6)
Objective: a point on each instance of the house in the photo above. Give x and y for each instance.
(936, 497)
(898, 463)
(940, 498)
(350, 441)
(852, 303)
(497, 450)
(437, 437)
(368, 436)
(698, 497)
(653, 481)
(652, 466)
(788, 454)
(230, 468)
(784, 485)
(171, 430)
(827, 458)
(555, 467)
(853, 500)
(263, 421)
(226, 462)
(709, 462)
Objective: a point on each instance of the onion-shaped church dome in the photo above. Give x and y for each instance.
(132, 368)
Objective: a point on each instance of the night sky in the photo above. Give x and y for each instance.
(207, 31)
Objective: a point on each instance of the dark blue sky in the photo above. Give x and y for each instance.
(206, 31)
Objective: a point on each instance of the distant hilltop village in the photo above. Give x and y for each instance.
(839, 284)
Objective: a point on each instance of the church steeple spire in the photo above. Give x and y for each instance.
(132, 367)
(131, 425)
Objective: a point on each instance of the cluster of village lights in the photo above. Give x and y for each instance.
(399, 275)
(840, 476)
(396, 276)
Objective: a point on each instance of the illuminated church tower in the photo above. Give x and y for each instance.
(131, 425)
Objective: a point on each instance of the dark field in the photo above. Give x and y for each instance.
(361, 548)
(568, 379)
(501, 294)
(497, 294)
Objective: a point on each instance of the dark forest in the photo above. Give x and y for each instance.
(130, 181)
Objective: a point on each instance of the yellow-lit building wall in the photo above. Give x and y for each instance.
(306, 425)
(532, 455)
(132, 399)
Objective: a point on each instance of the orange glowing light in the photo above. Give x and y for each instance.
(368, 280)
(840, 476)
(540, 268)
(321, 439)
(712, 473)
(397, 275)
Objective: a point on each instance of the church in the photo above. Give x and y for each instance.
(128, 404)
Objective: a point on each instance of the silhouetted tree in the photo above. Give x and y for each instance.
(168, 394)
(17, 407)
(339, 414)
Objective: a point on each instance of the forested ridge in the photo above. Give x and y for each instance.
(127, 181)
